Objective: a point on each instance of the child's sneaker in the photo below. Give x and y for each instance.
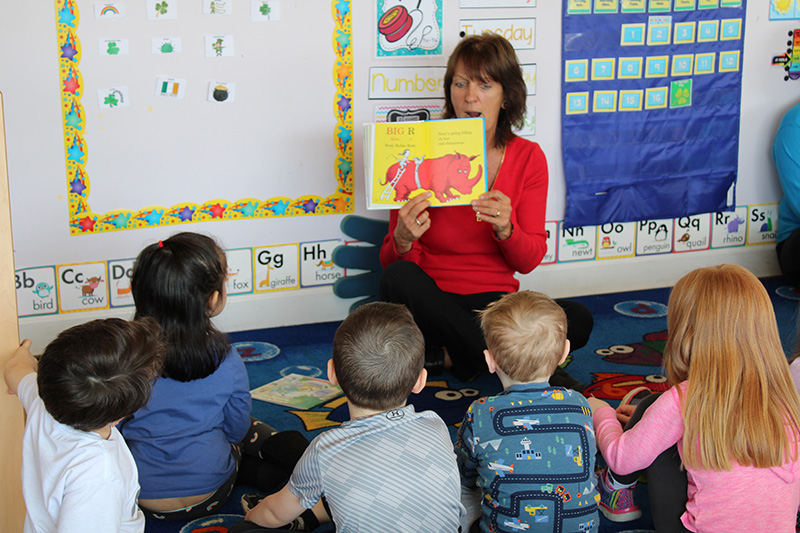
(251, 500)
(635, 396)
(616, 505)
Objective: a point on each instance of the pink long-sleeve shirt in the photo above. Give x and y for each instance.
(745, 498)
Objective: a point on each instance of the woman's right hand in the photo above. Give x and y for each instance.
(413, 220)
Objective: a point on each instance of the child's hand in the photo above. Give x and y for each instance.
(276, 509)
(624, 413)
(21, 363)
(596, 403)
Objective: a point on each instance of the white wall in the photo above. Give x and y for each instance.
(29, 82)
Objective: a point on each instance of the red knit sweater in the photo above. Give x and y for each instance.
(462, 254)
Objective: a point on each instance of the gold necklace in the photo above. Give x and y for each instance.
(502, 158)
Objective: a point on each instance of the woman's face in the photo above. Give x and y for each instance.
(476, 98)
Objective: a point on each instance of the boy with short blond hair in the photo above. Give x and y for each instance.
(530, 449)
(388, 468)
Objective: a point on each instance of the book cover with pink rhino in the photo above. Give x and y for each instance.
(404, 159)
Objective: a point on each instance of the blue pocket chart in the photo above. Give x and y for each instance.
(632, 79)
(684, 33)
(630, 68)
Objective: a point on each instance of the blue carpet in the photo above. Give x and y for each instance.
(624, 352)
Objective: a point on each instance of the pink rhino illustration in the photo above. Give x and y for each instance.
(438, 175)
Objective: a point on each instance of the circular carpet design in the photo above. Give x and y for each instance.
(641, 309)
(788, 292)
(256, 351)
(303, 370)
(217, 522)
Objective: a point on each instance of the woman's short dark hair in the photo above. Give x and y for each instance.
(490, 57)
(173, 281)
(99, 372)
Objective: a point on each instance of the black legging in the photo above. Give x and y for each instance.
(789, 258)
(250, 527)
(667, 483)
(448, 319)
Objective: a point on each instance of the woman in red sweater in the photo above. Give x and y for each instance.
(446, 263)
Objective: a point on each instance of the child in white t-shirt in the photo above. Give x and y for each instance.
(77, 472)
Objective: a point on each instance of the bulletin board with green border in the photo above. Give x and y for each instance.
(316, 176)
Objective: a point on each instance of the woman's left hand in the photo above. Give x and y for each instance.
(494, 207)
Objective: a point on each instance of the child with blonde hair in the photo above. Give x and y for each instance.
(530, 449)
(732, 411)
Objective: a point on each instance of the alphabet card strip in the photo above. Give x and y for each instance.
(654, 236)
(762, 224)
(276, 268)
(316, 263)
(119, 286)
(36, 294)
(729, 228)
(576, 244)
(616, 240)
(240, 271)
(692, 233)
(552, 242)
(82, 286)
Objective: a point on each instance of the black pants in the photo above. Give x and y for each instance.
(666, 481)
(450, 320)
(789, 258)
(249, 527)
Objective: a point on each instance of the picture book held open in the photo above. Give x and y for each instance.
(404, 159)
